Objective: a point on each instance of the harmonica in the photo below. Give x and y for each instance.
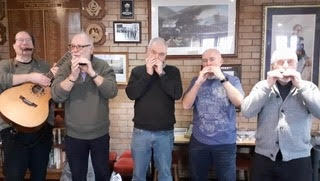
(27, 49)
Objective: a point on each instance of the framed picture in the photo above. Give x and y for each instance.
(190, 27)
(118, 62)
(126, 32)
(296, 27)
(232, 69)
(126, 10)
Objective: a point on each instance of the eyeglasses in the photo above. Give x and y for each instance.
(78, 47)
(282, 61)
(20, 40)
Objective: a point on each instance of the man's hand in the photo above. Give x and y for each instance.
(204, 74)
(75, 69)
(158, 67)
(217, 72)
(39, 78)
(150, 63)
(86, 66)
(54, 69)
(294, 76)
(273, 76)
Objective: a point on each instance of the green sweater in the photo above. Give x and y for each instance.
(7, 69)
(86, 105)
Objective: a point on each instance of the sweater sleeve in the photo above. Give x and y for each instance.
(108, 88)
(171, 84)
(254, 102)
(311, 96)
(58, 94)
(5, 75)
(138, 83)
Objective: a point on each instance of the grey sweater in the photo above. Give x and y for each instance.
(283, 125)
(86, 105)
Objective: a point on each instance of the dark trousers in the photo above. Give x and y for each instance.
(202, 157)
(264, 169)
(77, 151)
(26, 150)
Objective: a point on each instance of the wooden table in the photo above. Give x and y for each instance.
(181, 140)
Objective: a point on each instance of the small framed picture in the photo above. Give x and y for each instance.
(118, 62)
(127, 10)
(126, 32)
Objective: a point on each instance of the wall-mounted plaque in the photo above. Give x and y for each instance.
(3, 37)
(93, 9)
(2, 12)
(96, 32)
(126, 10)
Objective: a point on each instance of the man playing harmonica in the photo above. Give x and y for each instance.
(284, 104)
(85, 84)
(22, 150)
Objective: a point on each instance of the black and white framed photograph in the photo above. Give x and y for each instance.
(126, 32)
(232, 69)
(118, 62)
(190, 27)
(127, 9)
(296, 27)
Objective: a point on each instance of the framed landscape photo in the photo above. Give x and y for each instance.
(296, 27)
(190, 27)
(118, 62)
(126, 32)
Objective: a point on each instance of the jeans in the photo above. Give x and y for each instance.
(143, 142)
(77, 151)
(267, 170)
(202, 157)
(26, 150)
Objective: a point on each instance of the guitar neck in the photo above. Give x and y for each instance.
(66, 57)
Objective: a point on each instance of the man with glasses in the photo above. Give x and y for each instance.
(84, 85)
(154, 86)
(25, 150)
(284, 104)
(213, 96)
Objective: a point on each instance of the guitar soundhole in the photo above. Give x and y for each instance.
(37, 89)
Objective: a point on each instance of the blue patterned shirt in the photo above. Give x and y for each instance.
(214, 116)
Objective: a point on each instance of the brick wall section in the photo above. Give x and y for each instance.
(248, 50)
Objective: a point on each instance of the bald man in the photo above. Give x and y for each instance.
(213, 96)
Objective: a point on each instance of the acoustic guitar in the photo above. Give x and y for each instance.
(27, 105)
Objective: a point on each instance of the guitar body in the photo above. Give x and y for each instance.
(26, 105)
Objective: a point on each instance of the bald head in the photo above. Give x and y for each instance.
(211, 57)
(212, 51)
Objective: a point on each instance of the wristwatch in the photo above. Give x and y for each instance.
(224, 80)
